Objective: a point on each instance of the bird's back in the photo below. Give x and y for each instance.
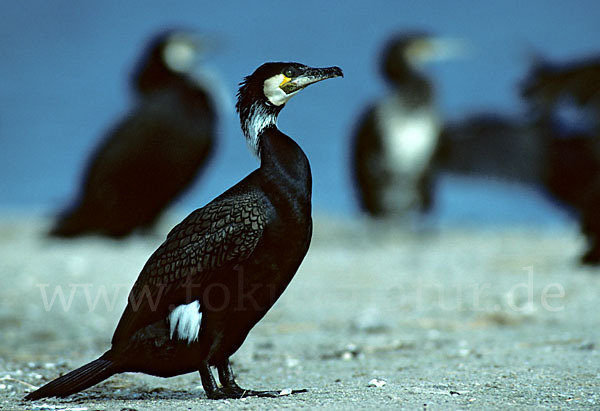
(209, 242)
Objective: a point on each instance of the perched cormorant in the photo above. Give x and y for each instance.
(565, 101)
(155, 153)
(222, 268)
(397, 137)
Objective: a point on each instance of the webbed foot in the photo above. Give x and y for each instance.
(229, 388)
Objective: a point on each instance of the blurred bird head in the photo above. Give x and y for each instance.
(181, 51)
(170, 56)
(539, 88)
(407, 52)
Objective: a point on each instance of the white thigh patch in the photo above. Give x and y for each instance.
(185, 319)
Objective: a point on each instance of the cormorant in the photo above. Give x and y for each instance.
(156, 152)
(221, 269)
(565, 102)
(397, 137)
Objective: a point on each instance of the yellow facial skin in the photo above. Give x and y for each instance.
(286, 79)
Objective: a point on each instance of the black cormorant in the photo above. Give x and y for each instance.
(156, 152)
(397, 137)
(225, 265)
(565, 101)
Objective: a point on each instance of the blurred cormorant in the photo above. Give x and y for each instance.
(565, 101)
(155, 153)
(397, 137)
(222, 268)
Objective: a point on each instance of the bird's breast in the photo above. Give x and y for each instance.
(408, 136)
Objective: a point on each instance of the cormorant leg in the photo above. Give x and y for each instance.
(227, 380)
(209, 384)
(426, 188)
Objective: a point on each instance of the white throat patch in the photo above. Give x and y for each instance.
(274, 93)
(179, 55)
(185, 319)
(409, 136)
(258, 119)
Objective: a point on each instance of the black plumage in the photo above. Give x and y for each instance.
(225, 265)
(590, 224)
(150, 157)
(549, 82)
(492, 145)
(396, 138)
(564, 100)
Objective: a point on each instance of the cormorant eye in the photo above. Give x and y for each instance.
(288, 73)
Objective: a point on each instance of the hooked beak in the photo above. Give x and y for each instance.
(310, 76)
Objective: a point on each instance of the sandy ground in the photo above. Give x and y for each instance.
(375, 318)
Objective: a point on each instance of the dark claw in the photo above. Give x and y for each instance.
(219, 394)
(229, 388)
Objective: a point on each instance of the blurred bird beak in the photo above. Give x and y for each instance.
(449, 48)
(185, 50)
(438, 49)
(200, 43)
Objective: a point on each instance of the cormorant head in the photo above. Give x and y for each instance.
(264, 93)
(408, 52)
(170, 56)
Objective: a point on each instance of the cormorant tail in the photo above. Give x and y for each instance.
(77, 380)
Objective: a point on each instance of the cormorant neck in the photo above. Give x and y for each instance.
(255, 118)
(412, 86)
(404, 73)
(153, 77)
(286, 170)
(278, 149)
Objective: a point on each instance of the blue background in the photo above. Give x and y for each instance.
(65, 65)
